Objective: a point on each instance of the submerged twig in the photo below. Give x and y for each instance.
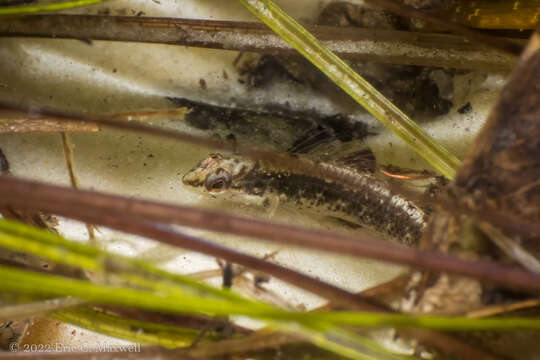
(385, 46)
(511, 247)
(23, 122)
(68, 156)
(504, 308)
(128, 328)
(186, 321)
(507, 222)
(251, 343)
(119, 212)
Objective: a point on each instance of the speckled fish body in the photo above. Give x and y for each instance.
(373, 206)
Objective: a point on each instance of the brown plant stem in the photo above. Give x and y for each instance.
(499, 309)
(121, 212)
(23, 122)
(385, 46)
(198, 322)
(251, 343)
(161, 233)
(68, 156)
(509, 223)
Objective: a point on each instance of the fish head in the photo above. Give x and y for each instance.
(217, 173)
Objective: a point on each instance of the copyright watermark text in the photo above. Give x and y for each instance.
(79, 347)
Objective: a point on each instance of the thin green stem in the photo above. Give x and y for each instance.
(175, 301)
(129, 329)
(354, 85)
(19, 237)
(30, 283)
(54, 253)
(432, 322)
(37, 8)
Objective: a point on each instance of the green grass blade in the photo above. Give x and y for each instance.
(354, 85)
(54, 253)
(37, 8)
(19, 237)
(167, 292)
(128, 329)
(174, 301)
(431, 322)
(36, 284)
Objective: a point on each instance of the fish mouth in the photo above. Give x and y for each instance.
(192, 178)
(197, 175)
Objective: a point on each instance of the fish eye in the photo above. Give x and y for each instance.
(218, 181)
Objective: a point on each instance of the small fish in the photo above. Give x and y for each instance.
(373, 206)
(273, 127)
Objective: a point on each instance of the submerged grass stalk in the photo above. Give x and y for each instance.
(354, 85)
(133, 330)
(174, 301)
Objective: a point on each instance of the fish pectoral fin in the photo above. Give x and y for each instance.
(343, 222)
(271, 203)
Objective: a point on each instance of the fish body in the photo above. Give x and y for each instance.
(373, 206)
(272, 128)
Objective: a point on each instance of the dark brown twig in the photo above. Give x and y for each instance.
(504, 308)
(23, 122)
(386, 46)
(120, 212)
(197, 322)
(167, 236)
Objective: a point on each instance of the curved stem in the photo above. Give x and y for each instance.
(354, 85)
